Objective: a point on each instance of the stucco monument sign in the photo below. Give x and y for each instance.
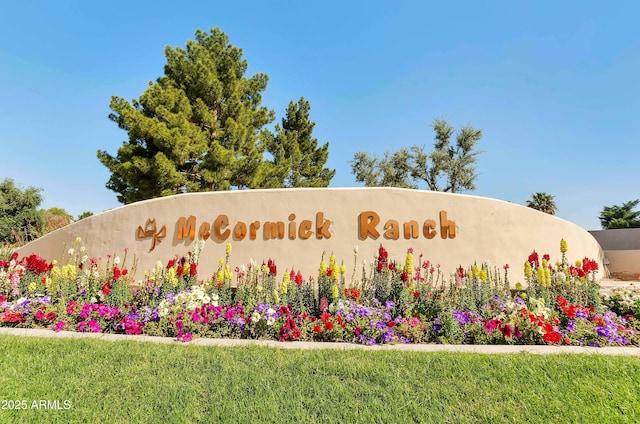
(294, 227)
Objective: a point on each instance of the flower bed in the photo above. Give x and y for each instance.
(390, 302)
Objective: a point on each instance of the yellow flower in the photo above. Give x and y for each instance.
(408, 267)
(475, 272)
(276, 296)
(69, 271)
(578, 263)
(334, 291)
(227, 272)
(518, 286)
(564, 246)
(228, 249)
(78, 239)
(528, 272)
(323, 269)
(343, 269)
(483, 275)
(55, 272)
(31, 287)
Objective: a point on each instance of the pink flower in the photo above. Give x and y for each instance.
(59, 326)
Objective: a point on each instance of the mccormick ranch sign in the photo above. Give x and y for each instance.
(296, 227)
(221, 229)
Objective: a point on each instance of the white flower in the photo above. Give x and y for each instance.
(270, 321)
(70, 251)
(355, 249)
(255, 316)
(116, 260)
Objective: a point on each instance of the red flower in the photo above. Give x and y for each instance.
(106, 289)
(324, 317)
(50, 316)
(193, 270)
(317, 328)
(506, 330)
(39, 315)
(171, 263)
(553, 337)
(298, 280)
(328, 325)
(404, 276)
(284, 311)
(391, 324)
(416, 295)
(116, 273)
(180, 270)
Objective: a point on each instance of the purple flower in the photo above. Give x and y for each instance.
(437, 324)
(462, 318)
(581, 314)
(389, 305)
(59, 326)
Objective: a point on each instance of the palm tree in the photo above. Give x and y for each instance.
(620, 216)
(543, 202)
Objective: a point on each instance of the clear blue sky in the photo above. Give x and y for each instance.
(554, 86)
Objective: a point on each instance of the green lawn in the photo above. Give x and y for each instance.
(122, 382)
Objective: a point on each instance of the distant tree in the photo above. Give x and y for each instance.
(56, 218)
(195, 129)
(84, 215)
(297, 159)
(622, 216)
(20, 219)
(543, 202)
(448, 168)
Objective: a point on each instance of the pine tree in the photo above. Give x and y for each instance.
(297, 159)
(195, 129)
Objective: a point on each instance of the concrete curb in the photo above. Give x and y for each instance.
(484, 349)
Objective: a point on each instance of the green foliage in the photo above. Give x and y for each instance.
(448, 168)
(194, 129)
(622, 216)
(199, 128)
(20, 219)
(543, 202)
(84, 215)
(297, 159)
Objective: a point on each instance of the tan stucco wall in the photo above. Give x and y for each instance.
(486, 229)
(621, 250)
(623, 262)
